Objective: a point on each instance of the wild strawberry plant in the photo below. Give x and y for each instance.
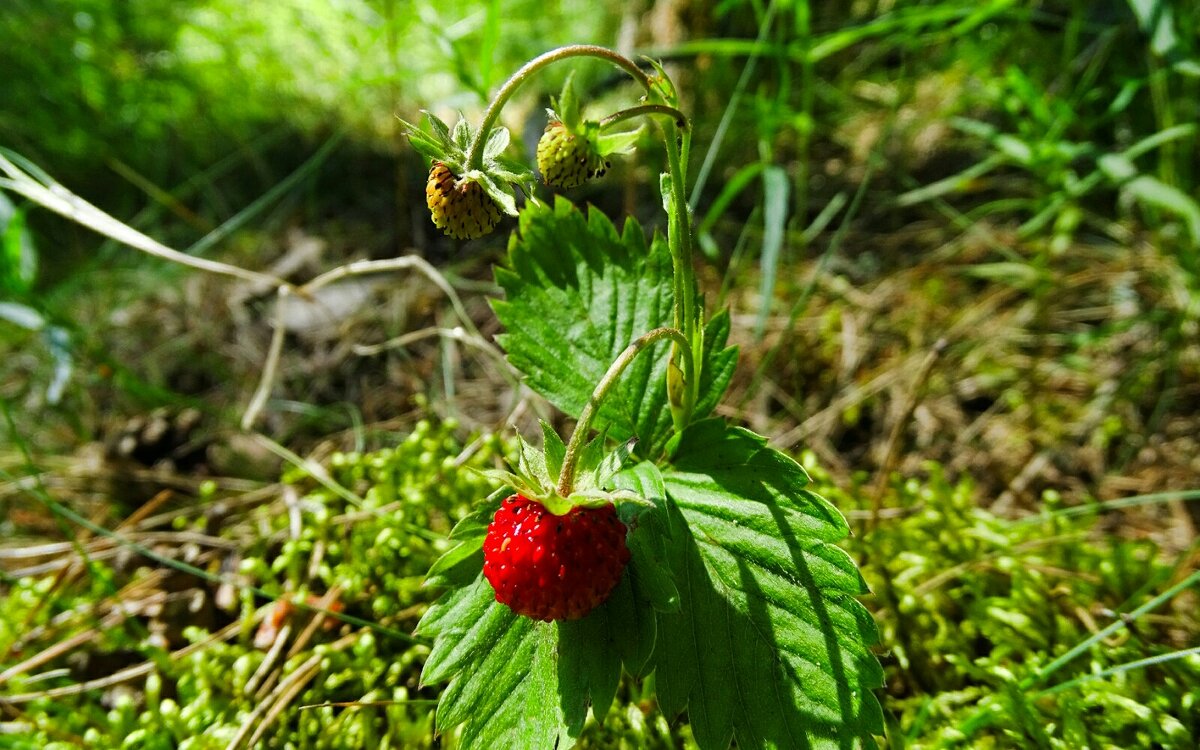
(658, 539)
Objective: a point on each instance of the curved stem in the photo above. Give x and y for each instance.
(566, 478)
(642, 110)
(475, 153)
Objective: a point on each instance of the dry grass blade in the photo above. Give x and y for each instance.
(124, 675)
(358, 268)
(53, 196)
(271, 706)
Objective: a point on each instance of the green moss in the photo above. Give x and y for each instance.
(969, 606)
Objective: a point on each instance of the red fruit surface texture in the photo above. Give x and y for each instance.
(552, 567)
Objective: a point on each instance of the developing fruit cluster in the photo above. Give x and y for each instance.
(552, 567)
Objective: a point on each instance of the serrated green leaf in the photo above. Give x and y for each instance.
(519, 683)
(770, 647)
(577, 293)
(720, 361)
(633, 625)
(649, 531)
(644, 480)
(614, 462)
(458, 566)
(476, 523)
(589, 668)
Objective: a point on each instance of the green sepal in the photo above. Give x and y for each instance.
(461, 136)
(617, 143)
(499, 173)
(427, 148)
(433, 146)
(661, 85)
(440, 128)
(497, 141)
(567, 106)
(531, 465)
(554, 449)
(519, 484)
(505, 198)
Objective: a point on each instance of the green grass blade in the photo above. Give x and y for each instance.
(776, 190)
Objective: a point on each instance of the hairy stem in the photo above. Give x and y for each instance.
(566, 479)
(475, 153)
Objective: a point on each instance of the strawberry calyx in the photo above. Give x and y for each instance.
(537, 471)
(497, 176)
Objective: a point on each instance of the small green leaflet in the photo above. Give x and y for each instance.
(577, 293)
(770, 646)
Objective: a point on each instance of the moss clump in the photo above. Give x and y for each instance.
(971, 606)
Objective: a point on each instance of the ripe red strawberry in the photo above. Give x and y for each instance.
(552, 567)
(460, 208)
(567, 160)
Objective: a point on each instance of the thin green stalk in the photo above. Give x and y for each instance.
(643, 110)
(679, 239)
(510, 87)
(579, 436)
(1122, 622)
(1120, 669)
(710, 157)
